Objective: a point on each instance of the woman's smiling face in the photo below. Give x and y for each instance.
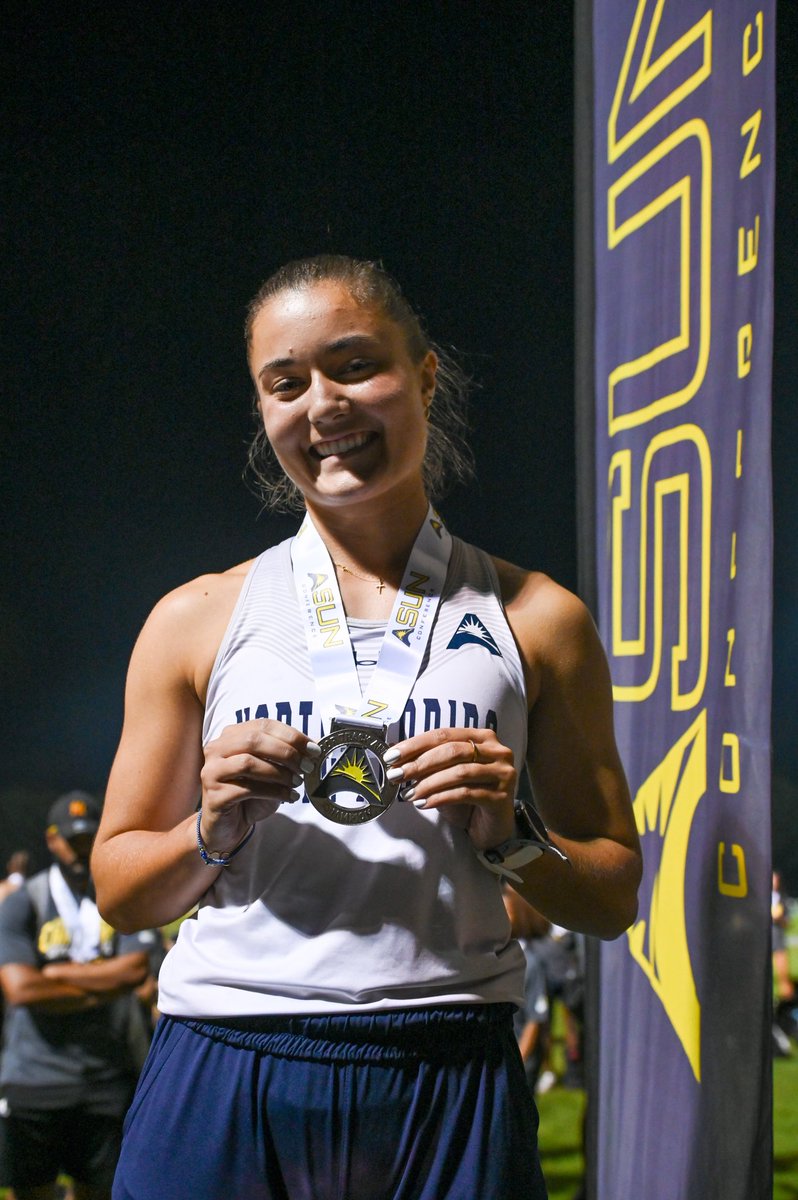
(343, 403)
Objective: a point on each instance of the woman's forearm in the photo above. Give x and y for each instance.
(594, 892)
(145, 879)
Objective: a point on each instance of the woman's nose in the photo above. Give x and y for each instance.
(327, 399)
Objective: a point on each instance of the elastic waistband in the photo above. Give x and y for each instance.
(451, 1032)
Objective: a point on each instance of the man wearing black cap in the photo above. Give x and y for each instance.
(67, 1071)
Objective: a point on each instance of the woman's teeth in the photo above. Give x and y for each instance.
(341, 445)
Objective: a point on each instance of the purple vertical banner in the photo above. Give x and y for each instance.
(683, 154)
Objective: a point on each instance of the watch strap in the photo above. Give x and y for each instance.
(531, 839)
(505, 858)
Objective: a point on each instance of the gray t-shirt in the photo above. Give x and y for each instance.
(60, 1060)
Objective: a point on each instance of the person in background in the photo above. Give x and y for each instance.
(780, 920)
(67, 1070)
(531, 1019)
(16, 873)
(561, 953)
(785, 1022)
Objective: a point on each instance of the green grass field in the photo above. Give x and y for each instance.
(560, 1138)
(561, 1114)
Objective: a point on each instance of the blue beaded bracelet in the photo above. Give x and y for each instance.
(226, 859)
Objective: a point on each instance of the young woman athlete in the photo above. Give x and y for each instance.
(322, 751)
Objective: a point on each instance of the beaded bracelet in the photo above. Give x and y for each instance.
(226, 859)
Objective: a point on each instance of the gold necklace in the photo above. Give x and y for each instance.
(378, 583)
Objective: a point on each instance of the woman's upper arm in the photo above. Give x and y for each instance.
(154, 779)
(577, 777)
(576, 771)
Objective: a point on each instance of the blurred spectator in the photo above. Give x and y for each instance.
(16, 872)
(69, 1059)
(785, 1022)
(780, 919)
(562, 954)
(531, 1021)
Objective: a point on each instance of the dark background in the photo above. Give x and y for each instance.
(158, 164)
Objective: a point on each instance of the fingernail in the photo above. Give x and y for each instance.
(408, 793)
(313, 748)
(420, 803)
(294, 795)
(307, 765)
(297, 779)
(390, 755)
(394, 773)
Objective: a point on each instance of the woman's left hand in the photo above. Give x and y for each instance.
(467, 774)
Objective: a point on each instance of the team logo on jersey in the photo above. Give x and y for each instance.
(472, 630)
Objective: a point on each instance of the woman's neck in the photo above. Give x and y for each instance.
(375, 542)
(369, 551)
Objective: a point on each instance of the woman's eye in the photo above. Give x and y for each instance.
(357, 366)
(285, 385)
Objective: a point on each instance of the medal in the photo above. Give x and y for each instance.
(348, 785)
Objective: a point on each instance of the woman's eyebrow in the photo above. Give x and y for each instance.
(352, 339)
(276, 364)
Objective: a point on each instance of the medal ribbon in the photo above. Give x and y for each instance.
(406, 636)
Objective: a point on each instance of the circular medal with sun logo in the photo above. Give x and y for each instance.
(348, 785)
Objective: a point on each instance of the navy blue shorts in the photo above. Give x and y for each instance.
(422, 1104)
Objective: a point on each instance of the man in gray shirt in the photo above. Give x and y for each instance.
(67, 1069)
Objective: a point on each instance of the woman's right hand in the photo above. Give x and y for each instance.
(249, 771)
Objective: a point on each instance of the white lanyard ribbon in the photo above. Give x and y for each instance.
(81, 919)
(406, 636)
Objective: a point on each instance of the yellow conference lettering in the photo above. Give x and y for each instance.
(699, 34)
(682, 698)
(752, 60)
(679, 193)
(730, 756)
(745, 343)
(330, 626)
(747, 248)
(407, 613)
(729, 678)
(739, 887)
(750, 160)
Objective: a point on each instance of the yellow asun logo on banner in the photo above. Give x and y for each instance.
(664, 806)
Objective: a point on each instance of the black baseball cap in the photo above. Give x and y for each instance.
(74, 813)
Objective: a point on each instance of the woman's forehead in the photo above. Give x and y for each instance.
(323, 310)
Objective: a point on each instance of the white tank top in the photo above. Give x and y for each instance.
(315, 917)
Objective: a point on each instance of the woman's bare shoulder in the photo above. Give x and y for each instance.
(184, 630)
(194, 599)
(535, 597)
(199, 601)
(552, 626)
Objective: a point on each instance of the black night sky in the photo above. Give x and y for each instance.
(158, 163)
